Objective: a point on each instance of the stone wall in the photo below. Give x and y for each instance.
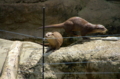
(25, 16)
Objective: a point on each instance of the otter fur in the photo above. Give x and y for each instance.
(75, 24)
(54, 39)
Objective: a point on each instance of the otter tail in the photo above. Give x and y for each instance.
(54, 26)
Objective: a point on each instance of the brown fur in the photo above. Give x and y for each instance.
(79, 24)
(55, 39)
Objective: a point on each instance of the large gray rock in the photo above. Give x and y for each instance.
(90, 60)
(4, 47)
(96, 59)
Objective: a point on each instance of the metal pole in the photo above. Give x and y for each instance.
(43, 42)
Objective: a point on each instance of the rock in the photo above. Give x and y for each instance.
(103, 12)
(12, 1)
(89, 60)
(111, 38)
(4, 47)
(95, 56)
(10, 66)
(21, 1)
(25, 16)
(31, 1)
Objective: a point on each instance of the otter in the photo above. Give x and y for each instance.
(75, 24)
(54, 39)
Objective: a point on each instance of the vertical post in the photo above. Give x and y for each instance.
(43, 42)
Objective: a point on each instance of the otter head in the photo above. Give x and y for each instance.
(49, 35)
(100, 29)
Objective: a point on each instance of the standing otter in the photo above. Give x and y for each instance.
(79, 24)
(55, 39)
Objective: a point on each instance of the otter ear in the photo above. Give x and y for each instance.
(52, 33)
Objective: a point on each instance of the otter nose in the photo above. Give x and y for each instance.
(106, 30)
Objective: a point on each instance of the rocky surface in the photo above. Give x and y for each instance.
(4, 47)
(25, 16)
(103, 12)
(95, 59)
